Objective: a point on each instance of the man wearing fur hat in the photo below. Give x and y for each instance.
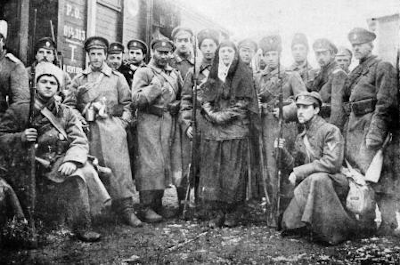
(300, 49)
(329, 82)
(155, 90)
(208, 41)
(46, 51)
(372, 94)
(102, 96)
(182, 59)
(66, 178)
(268, 85)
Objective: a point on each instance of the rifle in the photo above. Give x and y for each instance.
(192, 166)
(278, 154)
(56, 53)
(32, 240)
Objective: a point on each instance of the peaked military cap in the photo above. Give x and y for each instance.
(3, 28)
(180, 29)
(300, 38)
(208, 34)
(271, 43)
(324, 44)
(360, 36)
(47, 68)
(96, 42)
(343, 51)
(46, 43)
(137, 44)
(308, 98)
(248, 43)
(162, 45)
(116, 47)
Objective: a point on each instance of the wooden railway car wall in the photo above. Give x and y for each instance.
(72, 21)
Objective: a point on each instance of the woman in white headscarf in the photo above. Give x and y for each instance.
(228, 104)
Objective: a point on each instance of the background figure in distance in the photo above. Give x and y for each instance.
(343, 58)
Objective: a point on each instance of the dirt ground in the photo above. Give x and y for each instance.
(191, 242)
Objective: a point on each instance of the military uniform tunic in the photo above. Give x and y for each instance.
(304, 70)
(128, 70)
(330, 83)
(268, 90)
(14, 81)
(322, 189)
(183, 65)
(69, 193)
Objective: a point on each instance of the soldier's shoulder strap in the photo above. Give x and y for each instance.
(12, 58)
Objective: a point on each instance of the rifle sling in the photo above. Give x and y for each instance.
(53, 120)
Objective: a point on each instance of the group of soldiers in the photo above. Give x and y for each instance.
(122, 125)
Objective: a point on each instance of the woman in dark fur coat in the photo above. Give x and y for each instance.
(228, 107)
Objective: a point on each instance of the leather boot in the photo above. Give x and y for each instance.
(88, 236)
(128, 215)
(150, 216)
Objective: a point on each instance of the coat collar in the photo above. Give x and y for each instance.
(312, 127)
(179, 59)
(274, 72)
(298, 67)
(105, 69)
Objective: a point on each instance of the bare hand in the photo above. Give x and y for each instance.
(29, 135)
(67, 168)
(281, 143)
(189, 132)
(275, 112)
(292, 178)
(371, 143)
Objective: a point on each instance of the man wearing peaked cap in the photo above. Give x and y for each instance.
(14, 81)
(46, 51)
(300, 49)
(137, 52)
(182, 59)
(102, 99)
(247, 49)
(315, 171)
(115, 55)
(269, 83)
(329, 82)
(343, 58)
(372, 95)
(155, 92)
(96, 42)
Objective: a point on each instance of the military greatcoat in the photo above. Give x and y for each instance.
(322, 189)
(14, 81)
(154, 94)
(54, 147)
(107, 135)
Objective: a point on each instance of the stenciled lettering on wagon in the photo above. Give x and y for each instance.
(75, 34)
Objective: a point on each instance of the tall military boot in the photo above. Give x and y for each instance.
(148, 201)
(128, 215)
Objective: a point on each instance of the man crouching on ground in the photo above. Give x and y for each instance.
(317, 206)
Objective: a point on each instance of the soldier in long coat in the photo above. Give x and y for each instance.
(155, 92)
(268, 84)
(372, 94)
(208, 40)
(14, 87)
(103, 97)
(317, 206)
(14, 81)
(329, 83)
(65, 178)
